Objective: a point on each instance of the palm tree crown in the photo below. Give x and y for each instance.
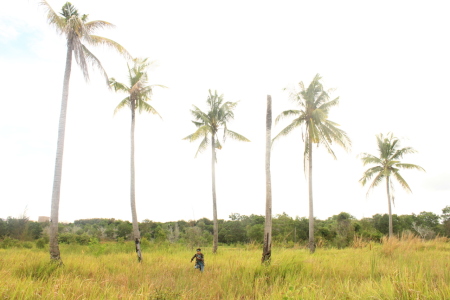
(210, 123)
(315, 105)
(77, 30)
(387, 163)
(138, 90)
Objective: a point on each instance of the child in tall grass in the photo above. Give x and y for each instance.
(199, 260)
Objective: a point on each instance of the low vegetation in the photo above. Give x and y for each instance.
(404, 268)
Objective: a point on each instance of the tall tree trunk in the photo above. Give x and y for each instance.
(213, 175)
(391, 228)
(54, 216)
(312, 244)
(136, 233)
(267, 247)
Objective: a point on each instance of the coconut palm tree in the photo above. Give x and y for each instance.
(78, 31)
(139, 93)
(387, 166)
(267, 247)
(208, 125)
(312, 117)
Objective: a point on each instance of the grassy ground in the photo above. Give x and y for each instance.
(406, 269)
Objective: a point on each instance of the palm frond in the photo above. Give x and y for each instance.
(53, 18)
(288, 113)
(80, 57)
(203, 145)
(200, 115)
(400, 152)
(143, 106)
(327, 105)
(122, 104)
(375, 182)
(338, 135)
(367, 159)
(402, 181)
(409, 166)
(118, 86)
(295, 123)
(235, 136)
(369, 173)
(201, 131)
(98, 40)
(97, 24)
(197, 124)
(95, 62)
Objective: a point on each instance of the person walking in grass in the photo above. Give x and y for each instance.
(199, 260)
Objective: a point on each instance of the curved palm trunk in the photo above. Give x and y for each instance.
(213, 170)
(54, 216)
(267, 247)
(312, 244)
(136, 233)
(391, 229)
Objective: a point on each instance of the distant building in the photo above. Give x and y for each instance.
(43, 219)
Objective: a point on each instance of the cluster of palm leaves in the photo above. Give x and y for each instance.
(312, 117)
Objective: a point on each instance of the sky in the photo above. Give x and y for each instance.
(388, 62)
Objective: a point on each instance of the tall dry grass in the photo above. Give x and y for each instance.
(405, 268)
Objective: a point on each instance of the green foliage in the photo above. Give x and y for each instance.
(40, 243)
(8, 242)
(124, 230)
(27, 245)
(138, 90)
(209, 123)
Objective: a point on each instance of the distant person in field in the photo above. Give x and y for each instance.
(199, 260)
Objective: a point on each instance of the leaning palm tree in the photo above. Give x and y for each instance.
(208, 125)
(387, 166)
(139, 93)
(77, 31)
(312, 117)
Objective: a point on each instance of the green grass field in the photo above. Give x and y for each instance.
(405, 269)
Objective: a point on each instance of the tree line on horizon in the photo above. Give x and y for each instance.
(311, 116)
(338, 231)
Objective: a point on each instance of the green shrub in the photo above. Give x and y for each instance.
(83, 239)
(67, 238)
(27, 245)
(9, 243)
(40, 243)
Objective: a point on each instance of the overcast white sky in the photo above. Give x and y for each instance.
(388, 60)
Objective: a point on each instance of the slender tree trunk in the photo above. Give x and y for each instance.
(267, 247)
(213, 170)
(136, 233)
(312, 244)
(54, 216)
(391, 228)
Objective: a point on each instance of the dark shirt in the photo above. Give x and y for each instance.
(198, 257)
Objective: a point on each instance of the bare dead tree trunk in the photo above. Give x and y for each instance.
(54, 216)
(391, 228)
(267, 247)
(136, 233)
(312, 244)
(213, 175)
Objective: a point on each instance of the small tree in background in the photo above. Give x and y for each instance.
(388, 166)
